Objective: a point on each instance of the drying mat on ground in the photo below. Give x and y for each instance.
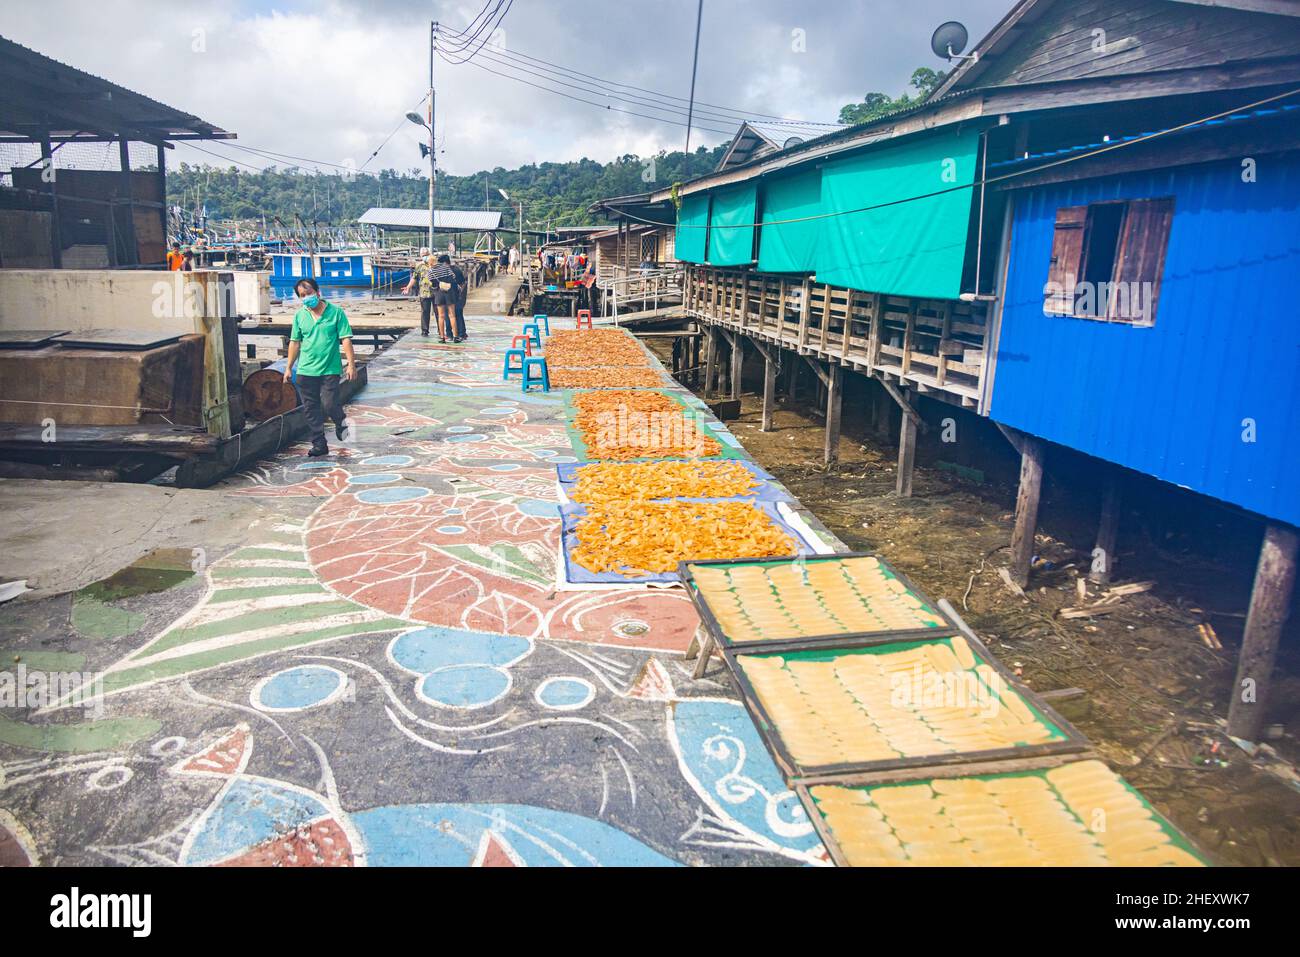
(654, 534)
(1079, 814)
(665, 479)
(606, 377)
(638, 424)
(891, 704)
(768, 604)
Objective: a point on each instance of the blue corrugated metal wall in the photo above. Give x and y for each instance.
(1169, 400)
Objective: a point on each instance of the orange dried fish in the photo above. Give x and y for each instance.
(605, 483)
(622, 424)
(618, 377)
(594, 348)
(632, 539)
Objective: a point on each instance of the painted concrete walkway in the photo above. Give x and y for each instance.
(383, 672)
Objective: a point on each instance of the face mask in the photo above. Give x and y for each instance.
(311, 302)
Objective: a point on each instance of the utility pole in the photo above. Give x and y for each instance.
(690, 110)
(433, 153)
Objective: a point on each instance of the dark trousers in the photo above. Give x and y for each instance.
(426, 305)
(320, 397)
(460, 316)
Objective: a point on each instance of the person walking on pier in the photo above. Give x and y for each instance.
(422, 280)
(319, 330)
(514, 259)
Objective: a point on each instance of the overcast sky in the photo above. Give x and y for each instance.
(331, 80)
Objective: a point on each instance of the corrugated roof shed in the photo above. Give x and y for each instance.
(450, 220)
(41, 96)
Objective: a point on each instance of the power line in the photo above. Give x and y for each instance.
(228, 159)
(463, 38)
(390, 135)
(629, 99)
(665, 96)
(488, 27)
(603, 106)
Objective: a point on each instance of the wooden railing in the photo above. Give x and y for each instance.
(639, 290)
(933, 345)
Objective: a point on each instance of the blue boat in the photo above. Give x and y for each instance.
(345, 267)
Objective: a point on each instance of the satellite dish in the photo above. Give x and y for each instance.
(792, 141)
(949, 40)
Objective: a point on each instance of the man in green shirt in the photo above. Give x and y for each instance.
(319, 329)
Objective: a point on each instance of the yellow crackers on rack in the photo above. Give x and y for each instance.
(836, 596)
(918, 701)
(1077, 815)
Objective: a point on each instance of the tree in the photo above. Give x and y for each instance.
(924, 81)
(560, 192)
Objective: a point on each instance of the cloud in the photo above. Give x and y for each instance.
(332, 80)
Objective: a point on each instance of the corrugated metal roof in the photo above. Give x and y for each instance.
(50, 96)
(1260, 113)
(451, 220)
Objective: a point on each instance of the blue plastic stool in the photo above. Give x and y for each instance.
(545, 320)
(544, 379)
(533, 332)
(508, 369)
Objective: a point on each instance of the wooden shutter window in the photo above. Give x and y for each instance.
(1067, 255)
(1141, 257)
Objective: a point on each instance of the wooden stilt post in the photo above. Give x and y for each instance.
(1269, 600)
(1031, 486)
(737, 363)
(793, 385)
(906, 456)
(693, 354)
(710, 360)
(769, 389)
(883, 405)
(1103, 555)
(834, 399)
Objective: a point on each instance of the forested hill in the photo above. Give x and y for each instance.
(560, 192)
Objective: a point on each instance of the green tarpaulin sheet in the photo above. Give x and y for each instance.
(731, 226)
(909, 248)
(787, 246)
(692, 227)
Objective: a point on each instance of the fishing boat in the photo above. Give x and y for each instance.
(369, 268)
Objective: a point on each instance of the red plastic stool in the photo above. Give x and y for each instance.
(584, 319)
(526, 340)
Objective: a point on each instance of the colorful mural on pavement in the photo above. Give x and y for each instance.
(388, 672)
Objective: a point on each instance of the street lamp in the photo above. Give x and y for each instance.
(418, 120)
